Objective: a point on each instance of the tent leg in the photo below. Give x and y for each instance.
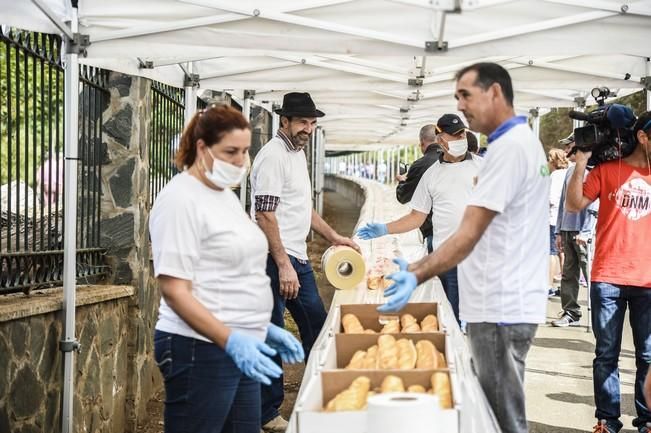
(190, 95)
(69, 344)
(648, 88)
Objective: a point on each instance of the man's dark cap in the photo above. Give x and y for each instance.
(643, 122)
(450, 123)
(300, 105)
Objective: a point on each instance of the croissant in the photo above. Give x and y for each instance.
(407, 354)
(427, 355)
(416, 388)
(407, 319)
(409, 323)
(391, 327)
(371, 358)
(441, 388)
(357, 361)
(392, 384)
(429, 324)
(352, 398)
(388, 352)
(351, 324)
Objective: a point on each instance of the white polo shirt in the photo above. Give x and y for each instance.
(279, 172)
(204, 236)
(505, 278)
(445, 190)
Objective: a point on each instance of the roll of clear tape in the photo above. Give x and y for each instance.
(403, 412)
(343, 266)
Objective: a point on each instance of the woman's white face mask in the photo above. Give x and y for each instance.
(457, 148)
(223, 174)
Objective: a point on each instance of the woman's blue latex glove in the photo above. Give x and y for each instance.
(252, 357)
(372, 230)
(287, 346)
(399, 292)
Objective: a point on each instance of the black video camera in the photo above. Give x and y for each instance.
(609, 130)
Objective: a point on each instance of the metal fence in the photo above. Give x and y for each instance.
(32, 163)
(166, 127)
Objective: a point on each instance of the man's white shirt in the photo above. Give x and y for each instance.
(445, 190)
(505, 277)
(282, 173)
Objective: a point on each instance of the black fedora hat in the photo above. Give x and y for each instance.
(298, 104)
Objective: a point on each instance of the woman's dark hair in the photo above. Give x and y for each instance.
(489, 73)
(209, 125)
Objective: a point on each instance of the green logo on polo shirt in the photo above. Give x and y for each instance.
(544, 170)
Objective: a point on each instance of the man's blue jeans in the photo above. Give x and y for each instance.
(205, 392)
(609, 303)
(309, 314)
(450, 282)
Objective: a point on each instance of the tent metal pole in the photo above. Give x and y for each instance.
(69, 344)
(43, 7)
(190, 93)
(246, 112)
(535, 116)
(648, 83)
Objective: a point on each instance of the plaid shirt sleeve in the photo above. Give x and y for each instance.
(266, 203)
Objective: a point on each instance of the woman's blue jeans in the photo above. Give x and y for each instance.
(205, 391)
(609, 304)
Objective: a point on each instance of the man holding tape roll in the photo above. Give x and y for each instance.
(504, 239)
(282, 196)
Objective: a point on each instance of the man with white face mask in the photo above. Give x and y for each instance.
(444, 190)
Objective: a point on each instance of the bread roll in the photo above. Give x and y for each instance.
(392, 384)
(357, 361)
(442, 363)
(391, 327)
(352, 398)
(441, 388)
(407, 354)
(429, 324)
(387, 352)
(371, 358)
(351, 324)
(369, 331)
(416, 388)
(375, 281)
(427, 355)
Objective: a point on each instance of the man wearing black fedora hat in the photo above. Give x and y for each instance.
(282, 197)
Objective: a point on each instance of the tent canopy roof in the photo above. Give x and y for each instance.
(365, 62)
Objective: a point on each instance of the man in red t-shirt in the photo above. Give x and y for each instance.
(621, 275)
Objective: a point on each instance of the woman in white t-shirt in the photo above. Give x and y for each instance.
(558, 164)
(213, 340)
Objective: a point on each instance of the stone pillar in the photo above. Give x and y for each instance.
(124, 229)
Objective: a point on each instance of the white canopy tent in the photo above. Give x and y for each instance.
(378, 68)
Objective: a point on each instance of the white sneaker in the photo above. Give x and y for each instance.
(276, 425)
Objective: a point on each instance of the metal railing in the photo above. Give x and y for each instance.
(32, 162)
(166, 126)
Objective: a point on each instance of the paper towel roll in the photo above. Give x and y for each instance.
(403, 412)
(344, 267)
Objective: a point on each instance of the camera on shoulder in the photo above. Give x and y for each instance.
(608, 132)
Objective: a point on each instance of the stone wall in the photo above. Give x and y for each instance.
(124, 229)
(31, 371)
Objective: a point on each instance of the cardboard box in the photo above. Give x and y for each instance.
(347, 344)
(312, 419)
(369, 317)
